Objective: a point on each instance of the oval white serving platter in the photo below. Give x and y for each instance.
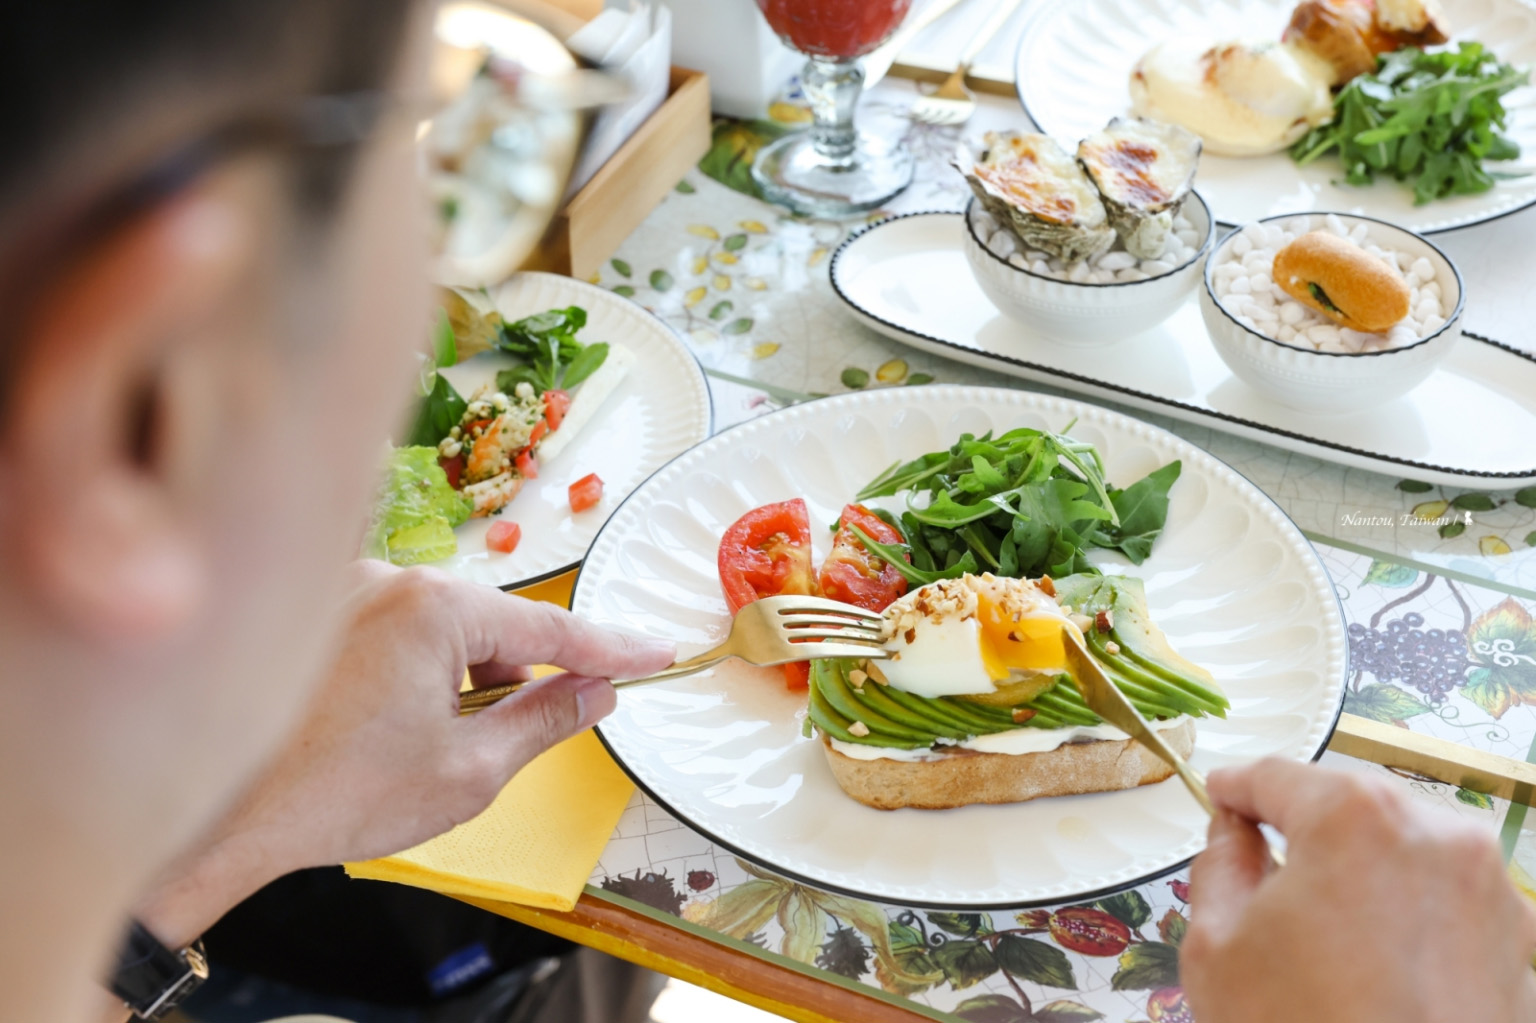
(1468, 425)
(1232, 581)
(660, 410)
(1075, 59)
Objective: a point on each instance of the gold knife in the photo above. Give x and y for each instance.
(1105, 699)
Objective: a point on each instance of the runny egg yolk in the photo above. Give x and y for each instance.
(1031, 644)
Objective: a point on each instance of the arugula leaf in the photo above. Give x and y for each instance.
(1428, 119)
(1143, 508)
(1025, 503)
(440, 411)
(552, 357)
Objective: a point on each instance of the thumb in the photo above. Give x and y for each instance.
(1224, 877)
(538, 716)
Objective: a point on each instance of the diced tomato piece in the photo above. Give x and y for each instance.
(586, 492)
(503, 536)
(797, 676)
(527, 465)
(453, 468)
(854, 575)
(539, 430)
(478, 424)
(556, 405)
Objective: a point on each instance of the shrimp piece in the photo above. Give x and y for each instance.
(492, 495)
(491, 453)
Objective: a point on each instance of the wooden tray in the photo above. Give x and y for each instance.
(623, 192)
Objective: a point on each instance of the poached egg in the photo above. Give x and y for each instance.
(1241, 98)
(974, 635)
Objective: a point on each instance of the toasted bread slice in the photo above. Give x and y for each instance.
(960, 777)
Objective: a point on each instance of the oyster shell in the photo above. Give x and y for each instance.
(1143, 170)
(1030, 183)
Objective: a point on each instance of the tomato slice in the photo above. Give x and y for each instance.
(556, 405)
(537, 433)
(586, 492)
(503, 536)
(854, 575)
(453, 468)
(527, 465)
(768, 552)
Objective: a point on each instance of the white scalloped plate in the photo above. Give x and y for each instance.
(660, 410)
(1232, 581)
(1075, 57)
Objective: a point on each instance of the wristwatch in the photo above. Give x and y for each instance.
(150, 978)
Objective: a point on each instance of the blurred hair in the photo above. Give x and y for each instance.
(76, 70)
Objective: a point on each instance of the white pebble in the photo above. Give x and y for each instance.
(1260, 312)
(1190, 237)
(1401, 334)
(1245, 321)
(1355, 340)
(1003, 243)
(1182, 223)
(1261, 261)
(1432, 324)
(1057, 266)
(1428, 306)
(1079, 273)
(1358, 235)
(1334, 224)
(1412, 279)
(1241, 246)
(1039, 266)
(1287, 333)
(1423, 268)
(1261, 284)
(1323, 334)
(1155, 267)
(1018, 260)
(1223, 289)
(1099, 277)
(1227, 271)
(1132, 274)
(1431, 288)
(1241, 286)
(1036, 254)
(1292, 313)
(1120, 260)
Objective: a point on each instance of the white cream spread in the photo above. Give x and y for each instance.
(1014, 742)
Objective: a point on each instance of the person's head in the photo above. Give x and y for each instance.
(211, 281)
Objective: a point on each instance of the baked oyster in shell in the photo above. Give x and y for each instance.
(1031, 184)
(1143, 170)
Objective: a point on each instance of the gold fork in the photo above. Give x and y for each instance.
(953, 103)
(773, 630)
(1106, 700)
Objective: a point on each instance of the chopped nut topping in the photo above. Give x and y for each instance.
(858, 728)
(1112, 648)
(1083, 622)
(1015, 637)
(910, 635)
(857, 677)
(875, 673)
(1046, 586)
(1022, 714)
(1104, 621)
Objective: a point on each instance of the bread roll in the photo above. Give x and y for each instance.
(960, 777)
(1342, 281)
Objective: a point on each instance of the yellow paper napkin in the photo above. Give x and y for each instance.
(539, 841)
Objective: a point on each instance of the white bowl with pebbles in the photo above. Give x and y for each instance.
(1299, 357)
(1096, 301)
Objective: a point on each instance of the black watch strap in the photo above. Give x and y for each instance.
(150, 978)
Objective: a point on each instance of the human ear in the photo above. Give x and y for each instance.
(95, 519)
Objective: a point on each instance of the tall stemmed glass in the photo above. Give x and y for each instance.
(833, 169)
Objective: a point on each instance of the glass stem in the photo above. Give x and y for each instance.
(833, 88)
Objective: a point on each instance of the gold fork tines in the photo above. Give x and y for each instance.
(770, 631)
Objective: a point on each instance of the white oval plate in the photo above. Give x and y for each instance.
(660, 410)
(1232, 581)
(1075, 57)
(1468, 425)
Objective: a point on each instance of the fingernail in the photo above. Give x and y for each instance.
(660, 649)
(595, 700)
